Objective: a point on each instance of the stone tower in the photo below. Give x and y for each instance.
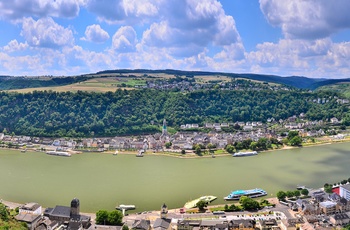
(74, 208)
(164, 211)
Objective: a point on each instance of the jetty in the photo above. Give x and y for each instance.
(193, 203)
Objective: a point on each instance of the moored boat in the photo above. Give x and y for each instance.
(126, 207)
(252, 193)
(58, 153)
(193, 203)
(245, 154)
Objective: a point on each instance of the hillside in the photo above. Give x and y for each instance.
(342, 88)
(81, 114)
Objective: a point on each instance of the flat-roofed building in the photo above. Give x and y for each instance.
(328, 207)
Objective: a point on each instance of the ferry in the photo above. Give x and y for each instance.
(140, 153)
(252, 193)
(245, 154)
(193, 203)
(57, 153)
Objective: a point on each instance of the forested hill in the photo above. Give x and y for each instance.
(133, 112)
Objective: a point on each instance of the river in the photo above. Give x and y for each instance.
(101, 181)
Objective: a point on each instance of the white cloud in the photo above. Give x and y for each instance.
(95, 33)
(17, 9)
(13, 46)
(117, 11)
(46, 33)
(124, 40)
(307, 19)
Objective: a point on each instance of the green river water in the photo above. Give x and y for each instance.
(101, 181)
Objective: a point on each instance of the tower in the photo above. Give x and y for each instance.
(163, 211)
(164, 130)
(74, 208)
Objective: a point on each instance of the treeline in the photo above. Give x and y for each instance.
(83, 114)
(7, 83)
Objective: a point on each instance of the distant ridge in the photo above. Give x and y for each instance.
(294, 81)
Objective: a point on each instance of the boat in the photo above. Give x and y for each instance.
(300, 187)
(140, 153)
(115, 153)
(126, 207)
(252, 193)
(58, 153)
(245, 154)
(193, 203)
(23, 150)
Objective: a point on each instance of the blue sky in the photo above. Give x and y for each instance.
(68, 37)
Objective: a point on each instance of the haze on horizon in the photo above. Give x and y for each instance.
(66, 37)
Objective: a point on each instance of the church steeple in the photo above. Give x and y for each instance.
(164, 130)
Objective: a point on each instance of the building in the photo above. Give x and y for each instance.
(30, 208)
(339, 219)
(32, 220)
(164, 211)
(344, 191)
(328, 207)
(70, 215)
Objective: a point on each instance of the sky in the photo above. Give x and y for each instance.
(70, 37)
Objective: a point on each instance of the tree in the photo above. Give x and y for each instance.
(292, 134)
(183, 151)
(211, 146)
(198, 150)
(115, 217)
(290, 194)
(296, 141)
(281, 195)
(4, 215)
(201, 205)
(168, 145)
(125, 227)
(253, 145)
(248, 203)
(296, 193)
(230, 149)
(305, 192)
(102, 217)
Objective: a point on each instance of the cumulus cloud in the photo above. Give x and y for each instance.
(14, 45)
(17, 9)
(132, 11)
(124, 40)
(46, 33)
(307, 19)
(194, 24)
(95, 33)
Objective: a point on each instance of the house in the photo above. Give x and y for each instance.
(188, 224)
(247, 127)
(268, 224)
(343, 205)
(339, 219)
(216, 224)
(334, 120)
(141, 224)
(162, 224)
(242, 224)
(32, 220)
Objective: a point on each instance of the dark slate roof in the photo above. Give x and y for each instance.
(245, 223)
(141, 224)
(162, 223)
(62, 211)
(343, 201)
(341, 216)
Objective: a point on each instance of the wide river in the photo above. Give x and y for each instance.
(101, 181)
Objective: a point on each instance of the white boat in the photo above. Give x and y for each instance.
(116, 152)
(245, 154)
(126, 207)
(58, 153)
(252, 193)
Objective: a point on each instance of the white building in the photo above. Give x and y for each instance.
(30, 208)
(344, 191)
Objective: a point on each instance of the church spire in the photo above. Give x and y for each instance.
(164, 130)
